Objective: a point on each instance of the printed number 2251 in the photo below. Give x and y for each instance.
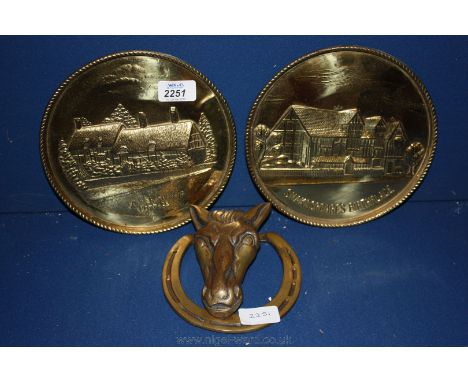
(174, 93)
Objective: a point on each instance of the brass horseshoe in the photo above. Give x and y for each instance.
(198, 316)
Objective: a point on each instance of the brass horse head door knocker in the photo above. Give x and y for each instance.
(226, 243)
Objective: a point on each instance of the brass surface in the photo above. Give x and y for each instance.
(341, 136)
(127, 162)
(226, 243)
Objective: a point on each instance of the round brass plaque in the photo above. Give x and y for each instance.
(341, 136)
(130, 153)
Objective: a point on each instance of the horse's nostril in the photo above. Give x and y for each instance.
(236, 291)
(204, 290)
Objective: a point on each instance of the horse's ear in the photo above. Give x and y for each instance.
(258, 214)
(199, 216)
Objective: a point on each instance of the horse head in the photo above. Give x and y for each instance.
(226, 243)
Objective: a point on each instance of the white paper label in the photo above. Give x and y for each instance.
(256, 316)
(177, 91)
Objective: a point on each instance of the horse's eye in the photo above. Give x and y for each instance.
(201, 243)
(248, 240)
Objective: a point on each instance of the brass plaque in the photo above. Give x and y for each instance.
(131, 140)
(341, 136)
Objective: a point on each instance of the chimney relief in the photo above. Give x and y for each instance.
(143, 122)
(174, 114)
(78, 123)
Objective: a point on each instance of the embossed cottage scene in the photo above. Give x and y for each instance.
(322, 143)
(124, 147)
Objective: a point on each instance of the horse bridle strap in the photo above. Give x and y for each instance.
(198, 316)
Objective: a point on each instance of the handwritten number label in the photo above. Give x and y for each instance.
(257, 316)
(177, 91)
